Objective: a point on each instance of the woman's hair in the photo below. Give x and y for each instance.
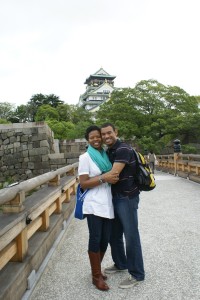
(90, 129)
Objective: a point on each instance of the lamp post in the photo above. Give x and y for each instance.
(177, 146)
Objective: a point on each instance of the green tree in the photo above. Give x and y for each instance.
(62, 130)
(52, 100)
(151, 113)
(198, 100)
(80, 114)
(122, 110)
(79, 129)
(38, 100)
(46, 112)
(23, 114)
(34, 103)
(4, 121)
(64, 112)
(6, 110)
(149, 96)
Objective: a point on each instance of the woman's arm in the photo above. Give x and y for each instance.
(90, 182)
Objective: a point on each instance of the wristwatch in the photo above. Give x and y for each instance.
(101, 180)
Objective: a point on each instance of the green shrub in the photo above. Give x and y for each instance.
(188, 149)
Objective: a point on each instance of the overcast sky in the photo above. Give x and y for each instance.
(52, 46)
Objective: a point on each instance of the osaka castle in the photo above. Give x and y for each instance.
(98, 90)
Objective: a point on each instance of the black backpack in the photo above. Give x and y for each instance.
(144, 176)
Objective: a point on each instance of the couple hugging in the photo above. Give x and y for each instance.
(110, 205)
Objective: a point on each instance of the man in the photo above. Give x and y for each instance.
(125, 200)
(152, 160)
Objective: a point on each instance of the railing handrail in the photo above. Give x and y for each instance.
(183, 165)
(197, 156)
(24, 214)
(9, 193)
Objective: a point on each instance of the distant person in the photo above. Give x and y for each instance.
(97, 206)
(152, 160)
(125, 195)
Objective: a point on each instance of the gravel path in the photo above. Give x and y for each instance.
(169, 221)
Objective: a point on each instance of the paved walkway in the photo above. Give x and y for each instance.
(169, 220)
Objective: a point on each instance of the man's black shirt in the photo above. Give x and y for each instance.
(123, 153)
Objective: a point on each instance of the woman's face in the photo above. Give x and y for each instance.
(94, 139)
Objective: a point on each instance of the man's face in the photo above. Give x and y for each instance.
(109, 136)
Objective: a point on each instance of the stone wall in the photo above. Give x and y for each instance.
(28, 150)
(69, 151)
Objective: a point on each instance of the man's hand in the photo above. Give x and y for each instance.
(111, 177)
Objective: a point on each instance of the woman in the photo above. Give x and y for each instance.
(95, 175)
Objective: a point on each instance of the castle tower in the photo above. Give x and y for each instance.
(99, 87)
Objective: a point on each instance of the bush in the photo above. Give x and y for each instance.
(188, 149)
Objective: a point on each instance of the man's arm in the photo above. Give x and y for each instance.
(116, 169)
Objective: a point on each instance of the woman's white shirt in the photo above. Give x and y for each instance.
(98, 200)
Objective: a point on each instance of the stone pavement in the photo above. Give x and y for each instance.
(169, 221)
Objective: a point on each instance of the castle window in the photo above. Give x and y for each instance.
(106, 91)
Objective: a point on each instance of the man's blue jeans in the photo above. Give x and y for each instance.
(126, 222)
(99, 233)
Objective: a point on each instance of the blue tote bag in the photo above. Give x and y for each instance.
(80, 195)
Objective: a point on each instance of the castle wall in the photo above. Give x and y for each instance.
(28, 150)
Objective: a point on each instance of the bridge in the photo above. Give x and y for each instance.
(43, 249)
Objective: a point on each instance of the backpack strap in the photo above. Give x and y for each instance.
(138, 160)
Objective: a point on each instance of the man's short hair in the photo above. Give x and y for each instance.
(108, 124)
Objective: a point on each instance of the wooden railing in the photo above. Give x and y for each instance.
(183, 165)
(27, 208)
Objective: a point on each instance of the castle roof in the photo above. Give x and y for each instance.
(100, 74)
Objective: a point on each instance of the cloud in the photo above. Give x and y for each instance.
(52, 46)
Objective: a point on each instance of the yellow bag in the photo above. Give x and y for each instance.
(144, 176)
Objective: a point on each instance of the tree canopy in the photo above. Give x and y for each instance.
(38, 100)
(150, 115)
(6, 111)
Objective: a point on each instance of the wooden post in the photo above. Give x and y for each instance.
(72, 172)
(55, 181)
(175, 163)
(45, 220)
(74, 188)
(197, 170)
(7, 253)
(22, 246)
(58, 205)
(16, 204)
(68, 195)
